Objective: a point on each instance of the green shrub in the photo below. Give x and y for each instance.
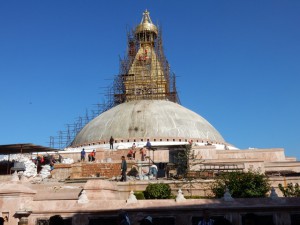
(139, 195)
(242, 185)
(290, 190)
(158, 191)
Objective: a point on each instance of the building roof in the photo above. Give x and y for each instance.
(147, 119)
(23, 148)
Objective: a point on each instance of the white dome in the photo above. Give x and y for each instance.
(147, 119)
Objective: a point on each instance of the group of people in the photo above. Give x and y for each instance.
(131, 155)
(47, 160)
(143, 151)
(124, 219)
(91, 155)
(153, 170)
(205, 220)
(132, 152)
(249, 219)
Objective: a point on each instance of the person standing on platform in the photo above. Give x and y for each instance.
(148, 145)
(123, 169)
(93, 155)
(111, 142)
(133, 146)
(82, 155)
(143, 152)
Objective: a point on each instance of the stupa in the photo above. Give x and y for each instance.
(146, 105)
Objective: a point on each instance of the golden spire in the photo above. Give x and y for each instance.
(146, 74)
(146, 25)
(146, 17)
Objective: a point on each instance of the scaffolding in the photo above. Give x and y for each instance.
(65, 137)
(144, 74)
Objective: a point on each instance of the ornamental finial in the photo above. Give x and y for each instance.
(146, 17)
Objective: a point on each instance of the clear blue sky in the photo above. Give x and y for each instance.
(237, 62)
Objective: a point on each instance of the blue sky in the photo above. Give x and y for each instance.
(237, 64)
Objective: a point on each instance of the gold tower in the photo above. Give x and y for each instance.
(145, 72)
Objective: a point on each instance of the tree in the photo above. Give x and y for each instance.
(183, 160)
(242, 184)
(290, 190)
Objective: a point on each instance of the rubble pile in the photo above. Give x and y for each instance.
(30, 165)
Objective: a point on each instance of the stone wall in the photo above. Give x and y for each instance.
(91, 169)
(105, 199)
(266, 155)
(170, 212)
(109, 170)
(61, 171)
(101, 169)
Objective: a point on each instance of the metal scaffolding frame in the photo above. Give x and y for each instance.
(155, 81)
(152, 85)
